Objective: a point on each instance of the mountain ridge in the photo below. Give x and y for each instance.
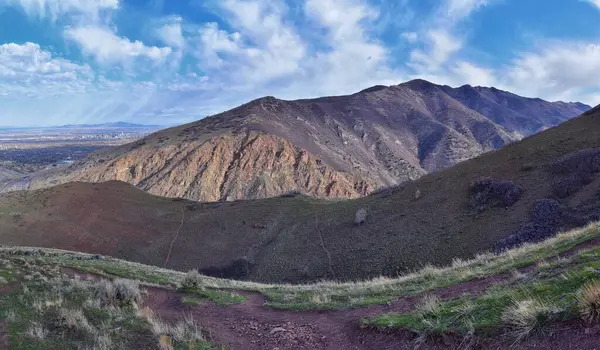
(328, 147)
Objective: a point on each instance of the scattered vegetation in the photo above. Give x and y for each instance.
(325, 295)
(575, 170)
(486, 193)
(52, 310)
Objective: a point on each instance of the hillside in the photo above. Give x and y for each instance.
(432, 220)
(330, 147)
(542, 296)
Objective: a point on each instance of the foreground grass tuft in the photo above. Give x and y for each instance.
(589, 301)
(528, 315)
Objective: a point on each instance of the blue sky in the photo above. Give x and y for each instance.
(173, 61)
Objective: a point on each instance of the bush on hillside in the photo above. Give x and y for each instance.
(568, 186)
(120, 292)
(384, 191)
(547, 211)
(192, 280)
(576, 170)
(582, 161)
(545, 220)
(291, 194)
(487, 192)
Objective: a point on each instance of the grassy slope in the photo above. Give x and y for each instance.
(530, 302)
(290, 239)
(32, 301)
(46, 309)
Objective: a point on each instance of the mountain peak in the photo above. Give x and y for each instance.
(420, 84)
(373, 89)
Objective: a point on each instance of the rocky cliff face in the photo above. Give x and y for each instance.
(248, 164)
(331, 147)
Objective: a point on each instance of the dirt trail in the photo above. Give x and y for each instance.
(251, 325)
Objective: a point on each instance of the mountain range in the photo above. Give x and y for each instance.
(330, 147)
(526, 191)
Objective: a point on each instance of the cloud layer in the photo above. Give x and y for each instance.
(174, 66)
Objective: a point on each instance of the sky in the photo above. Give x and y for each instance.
(173, 61)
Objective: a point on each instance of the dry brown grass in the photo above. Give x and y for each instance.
(589, 301)
(526, 316)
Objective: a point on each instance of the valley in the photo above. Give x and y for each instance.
(26, 152)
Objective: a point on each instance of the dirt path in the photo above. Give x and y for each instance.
(251, 325)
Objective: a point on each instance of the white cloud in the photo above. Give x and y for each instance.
(440, 46)
(262, 49)
(455, 10)
(557, 70)
(594, 2)
(354, 59)
(106, 47)
(439, 58)
(57, 8)
(27, 69)
(171, 33)
(411, 37)
(342, 17)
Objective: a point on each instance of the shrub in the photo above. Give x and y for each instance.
(582, 161)
(361, 216)
(192, 279)
(526, 316)
(120, 292)
(589, 301)
(568, 186)
(545, 220)
(577, 169)
(383, 191)
(187, 330)
(547, 211)
(128, 291)
(486, 193)
(430, 304)
(76, 319)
